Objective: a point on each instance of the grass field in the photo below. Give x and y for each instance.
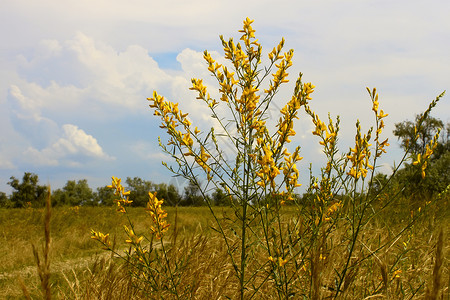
(80, 269)
(72, 249)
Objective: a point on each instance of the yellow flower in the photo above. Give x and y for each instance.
(281, 261)
(187, 140)
(103, 238)
(120, 191)
(418, 159)
(375, 106)
(133, 239)
(396, 274)
(157, 214)
(308, 88)
(382, 114)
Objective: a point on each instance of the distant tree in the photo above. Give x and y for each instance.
(27, 191)
(169, 193)
(444, 142)
(58, 197)
(404, 131)
(74, 193)
(139, 190)
(220, 198)
(4, 201)
(104, 196)
(438, 170)
(438, 174)
(192, 196)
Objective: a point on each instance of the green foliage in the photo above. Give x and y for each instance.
(104, 196)
(27, 191)
(168, 192)
(4, 201)
(444, 142)
(220, 198)
(192, 195)
(410, 179)
(421, 189)
(139, 189)
(78, 193)
(405, 131)
(74, 193)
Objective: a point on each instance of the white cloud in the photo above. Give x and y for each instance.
(29, 106)
(117, 78)
(82, 72)
(74, 142)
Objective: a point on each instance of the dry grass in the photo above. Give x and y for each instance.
(414, 266)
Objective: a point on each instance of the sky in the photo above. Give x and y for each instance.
(75, 75)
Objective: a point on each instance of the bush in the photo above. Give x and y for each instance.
(316, 248)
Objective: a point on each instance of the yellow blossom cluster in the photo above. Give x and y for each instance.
(240, 91)
(201, 160)
(422, 160)
(120, 191)
(132, 237)
(331, 210)
(286, 122)
(225, 78)
(280, 261)
(269, 170)
(360, 155)
(172, 117)
(275, 53)
(290, 170)
(246, 105)
(157, 214)
(327, 133)
(308, 88)
(248, 32)
(197, 85)
(396, 274)
(102, 238)
(236, 55)
(280, 76)
(380, 115)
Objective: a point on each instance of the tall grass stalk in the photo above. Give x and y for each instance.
(43, 267)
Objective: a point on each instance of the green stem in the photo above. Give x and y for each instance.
(168, 264)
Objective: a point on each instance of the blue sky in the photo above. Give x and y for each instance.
(75, 75)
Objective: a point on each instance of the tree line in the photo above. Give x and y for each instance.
(28, 191)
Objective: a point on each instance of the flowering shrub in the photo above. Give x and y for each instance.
(315, 242)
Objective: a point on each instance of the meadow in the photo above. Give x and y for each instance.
(354, 234)
(73, 252)
(80, 269)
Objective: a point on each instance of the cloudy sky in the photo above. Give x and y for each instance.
(75, 75)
